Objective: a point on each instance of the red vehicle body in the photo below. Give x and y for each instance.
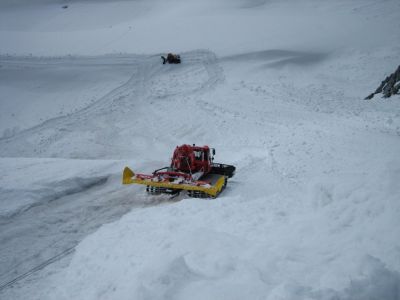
(192, 159)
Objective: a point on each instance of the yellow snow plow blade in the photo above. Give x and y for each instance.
(129, 177)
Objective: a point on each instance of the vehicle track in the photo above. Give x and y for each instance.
(97, 125)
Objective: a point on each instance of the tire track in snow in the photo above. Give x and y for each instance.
(97, 126)
(37, 268)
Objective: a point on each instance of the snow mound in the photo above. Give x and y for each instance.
(29, 183)
(332, 244)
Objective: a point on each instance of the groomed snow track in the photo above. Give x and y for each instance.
(110, 124)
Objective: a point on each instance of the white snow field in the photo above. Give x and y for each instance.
(277, 87)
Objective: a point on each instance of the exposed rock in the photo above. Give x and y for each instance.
(390, 86)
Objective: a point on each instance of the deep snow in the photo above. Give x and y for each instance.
(275, 86)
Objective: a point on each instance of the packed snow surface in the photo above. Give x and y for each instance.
(275, 86)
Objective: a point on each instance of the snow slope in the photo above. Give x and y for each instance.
(275, 86)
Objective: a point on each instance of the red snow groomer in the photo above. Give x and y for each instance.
(171, 59)
(192, 169)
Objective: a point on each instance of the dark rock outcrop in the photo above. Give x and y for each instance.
(390, 86)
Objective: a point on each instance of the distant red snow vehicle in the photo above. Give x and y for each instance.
(192, 169)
